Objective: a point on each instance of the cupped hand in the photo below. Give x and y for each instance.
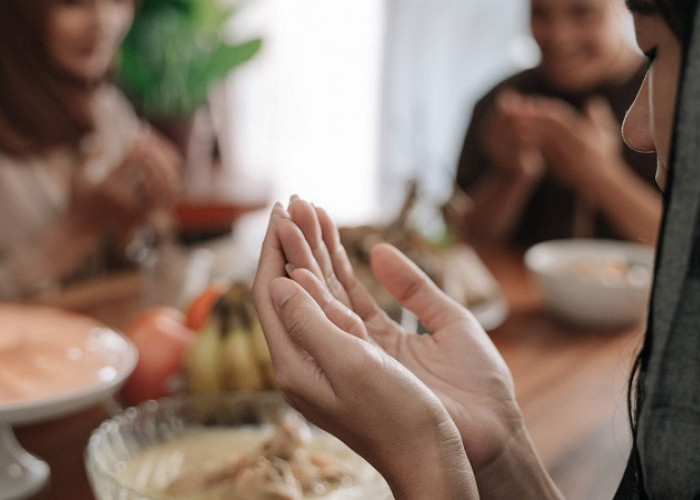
(583, 150)
(352, 388)
(146, 179)
(160, 164)
(509, 140)
(457, 361)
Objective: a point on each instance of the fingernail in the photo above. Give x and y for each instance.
(275, 213)
(294, 197)
(278, 212)
(281, 290)
(289, 268)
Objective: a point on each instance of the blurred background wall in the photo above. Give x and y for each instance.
(350, 98)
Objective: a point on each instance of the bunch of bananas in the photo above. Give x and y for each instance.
(230, 353)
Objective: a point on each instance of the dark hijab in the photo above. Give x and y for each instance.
(665, 460)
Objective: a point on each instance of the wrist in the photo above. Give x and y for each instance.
(516, 471)
(435, 468)
(523, 179)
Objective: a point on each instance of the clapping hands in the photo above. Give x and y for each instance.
(527, 134)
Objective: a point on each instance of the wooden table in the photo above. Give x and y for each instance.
(571, 385)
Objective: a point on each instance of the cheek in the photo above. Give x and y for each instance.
(605, 41)
(63, 29)
(664, 90)
(538, 32)
(121, 20)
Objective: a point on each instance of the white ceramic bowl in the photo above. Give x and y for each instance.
(137, 454)
(593, 283)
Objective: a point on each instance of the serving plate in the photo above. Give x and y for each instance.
(53, 363)
(467, 280)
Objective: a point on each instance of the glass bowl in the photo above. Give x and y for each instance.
(176, 447)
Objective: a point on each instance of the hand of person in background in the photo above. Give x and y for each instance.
(161, 165)
(350, 387)
(147, 179)
(515, 168)
(583, 150)
(457, 361)
(509, 140)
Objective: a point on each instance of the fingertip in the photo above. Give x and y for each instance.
(278, 211)
(292, 200)
(384, 248)
(281, 290)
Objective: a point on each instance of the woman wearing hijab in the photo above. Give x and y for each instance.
(436, 414)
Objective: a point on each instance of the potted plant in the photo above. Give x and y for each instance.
(172, 55)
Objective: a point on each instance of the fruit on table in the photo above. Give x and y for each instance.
(229, 352)
(162, 339)
(199, 309)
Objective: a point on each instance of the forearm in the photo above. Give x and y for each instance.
(76, 242)
(38, 265)
(630, 204)
(498, 203)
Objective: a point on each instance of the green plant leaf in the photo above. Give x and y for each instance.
(174, 52)
(226, 57)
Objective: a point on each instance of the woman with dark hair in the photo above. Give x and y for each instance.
(436, 414)
(78, 170)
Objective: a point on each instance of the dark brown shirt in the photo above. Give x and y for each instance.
(550, 211)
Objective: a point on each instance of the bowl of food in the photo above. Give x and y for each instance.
(593, 283)
(232, 445)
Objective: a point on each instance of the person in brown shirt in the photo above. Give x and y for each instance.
(543, 157)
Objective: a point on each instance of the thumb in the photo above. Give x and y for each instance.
(413, 288)
(306, 324)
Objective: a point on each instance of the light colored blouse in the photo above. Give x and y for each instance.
(35, 191)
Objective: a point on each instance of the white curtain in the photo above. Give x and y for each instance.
(440, 56)
(303, 116)
(350, 98)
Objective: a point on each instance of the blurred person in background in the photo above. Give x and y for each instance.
(79, 172)
(543, 157)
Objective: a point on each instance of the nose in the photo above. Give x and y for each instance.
(636, 127)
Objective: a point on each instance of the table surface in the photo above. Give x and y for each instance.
(571, 386)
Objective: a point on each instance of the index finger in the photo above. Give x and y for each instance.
(270, 266)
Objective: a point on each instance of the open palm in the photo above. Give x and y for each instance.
(457, 360)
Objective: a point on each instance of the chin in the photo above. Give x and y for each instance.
(661, 176)
(88, 73)
(568, 79)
